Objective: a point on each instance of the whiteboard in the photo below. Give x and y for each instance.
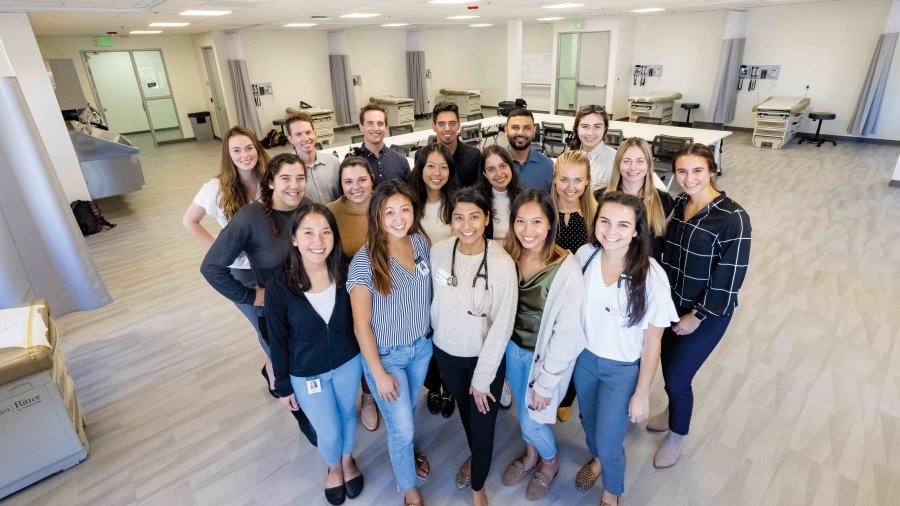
(537, 68)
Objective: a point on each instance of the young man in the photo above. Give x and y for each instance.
(535, 169)
(323, 185)
(445, 123)
(384, 161)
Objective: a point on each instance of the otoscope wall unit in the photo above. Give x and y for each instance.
(752, 73)
(642, 72)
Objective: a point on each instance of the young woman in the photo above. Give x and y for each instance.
(351, 212)
(314, 350)
(706, 256)
(433, 182)
(635, 175)
(240, 170)
(591, 124)
(390, 292)
(576, 207)
(261, 230)
(499, 183)
(614, 373)
(547, 335)
(472, 314)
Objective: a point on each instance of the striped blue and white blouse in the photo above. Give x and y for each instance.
(404, 315)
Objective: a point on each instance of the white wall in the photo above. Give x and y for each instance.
(829, 50)
(300, 72)
(177, 52)
(690, 57)
(449, 54)
(24, 56)
(537, 38)
(379, 56)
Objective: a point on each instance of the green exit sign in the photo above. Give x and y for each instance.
(575, 23)
(104, 41)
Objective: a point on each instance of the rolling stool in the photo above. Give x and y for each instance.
(818, 141)
(689, 106)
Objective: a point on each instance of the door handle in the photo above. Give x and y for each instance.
(585, 85)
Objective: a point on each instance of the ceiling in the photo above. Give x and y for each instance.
(96, 17)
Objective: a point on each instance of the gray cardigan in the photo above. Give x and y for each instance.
(560, 340)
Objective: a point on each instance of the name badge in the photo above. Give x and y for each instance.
(422, 266)
(313, 385)
(442, 277)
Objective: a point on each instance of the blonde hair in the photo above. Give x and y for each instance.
(587, 202)
(656, 216)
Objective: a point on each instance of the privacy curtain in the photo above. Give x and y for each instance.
(724, 97)
(415, 80)
(342, 89)
(243, 97)
(868, 107)
(42, 251)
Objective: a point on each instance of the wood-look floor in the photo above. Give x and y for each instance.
(800, 404)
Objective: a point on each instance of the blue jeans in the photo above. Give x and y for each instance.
(408, 365)
(253, 313)
(332, 411)
(518, 365)
(604, 389)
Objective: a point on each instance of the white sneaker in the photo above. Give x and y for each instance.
(506, 396)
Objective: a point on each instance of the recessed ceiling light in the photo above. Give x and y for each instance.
(168, 24)
(299, 25)
(451, 1)
(648, 9)
(144, 32)
(480, 25)
(561, 6)
(394, 25)
(463, 17)
(204, 13)
(359, 15)
(550, 19)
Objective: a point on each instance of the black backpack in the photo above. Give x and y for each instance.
(87, 214)
(273, 139)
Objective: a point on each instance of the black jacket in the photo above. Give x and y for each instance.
(303, 344)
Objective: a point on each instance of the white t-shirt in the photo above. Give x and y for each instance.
(323, 302)
(604, 310)
(436, 229)
(209, 199)
(501, 214)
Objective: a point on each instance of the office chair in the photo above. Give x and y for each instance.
(554, 137)
(403, 149)
(490, 132)
(614, 137)
(649, 120)
(474, 116)
(356, 139)
(471, 135)
(399, 130)
(709, 125)
(664, 148)
(538, 141)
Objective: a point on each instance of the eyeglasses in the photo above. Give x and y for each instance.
(587, 109)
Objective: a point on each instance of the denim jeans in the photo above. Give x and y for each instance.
(518, 365)
(408, 365)
(332, 411)
(604, 389)
(253, 313)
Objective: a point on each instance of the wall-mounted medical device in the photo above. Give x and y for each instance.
(756, 72)
(642, 72)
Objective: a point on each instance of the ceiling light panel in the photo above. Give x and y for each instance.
(168, 25)
(561, 6)
(204, 13)
(359, 15)
(468, 16)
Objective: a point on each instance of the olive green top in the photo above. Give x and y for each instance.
(532, 296)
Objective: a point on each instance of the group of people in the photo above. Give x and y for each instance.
(474, 274)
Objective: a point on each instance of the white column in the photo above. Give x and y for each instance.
(513, 59)
(25, 59)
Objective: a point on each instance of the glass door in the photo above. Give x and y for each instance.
(158, 99)
(567, 73)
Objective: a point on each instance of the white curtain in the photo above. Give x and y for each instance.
(244, 101)
(724, 97)
(415, 80)
(868, 107)
(42, 251)
(342, 93)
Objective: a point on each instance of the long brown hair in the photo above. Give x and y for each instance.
(265, 193)
(485, 187)
(233, 194)
(550, 252)
(703, 151)
(376, 237)
(587, 203)
(297, 276)
(637, 258)
(656, 217)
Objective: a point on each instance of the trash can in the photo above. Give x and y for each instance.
(202, 125)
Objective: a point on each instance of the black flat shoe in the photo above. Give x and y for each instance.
(266, 375)
(335, 495)
(447, 405)
(354, 487)
(434, 402)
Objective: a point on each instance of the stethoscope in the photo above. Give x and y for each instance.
(478, 275)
